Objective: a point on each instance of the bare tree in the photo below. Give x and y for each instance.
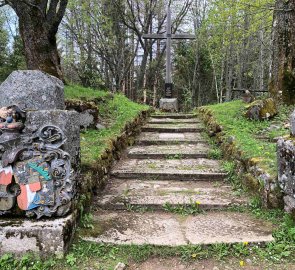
(103, 43)
(139, 16)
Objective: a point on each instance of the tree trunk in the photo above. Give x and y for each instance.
(142, 70)
(261, 61)
(229, 74)
(283, 59)
(38, 26)
(40, 47)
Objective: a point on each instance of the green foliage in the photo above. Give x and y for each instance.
(101, 38)
(215, 153)
(16, 58)
(174, 156)
(3, 49)
(193, 69)
(11, 57)
(80, 92)
(232, 32)
(247, 134)
(71, 259)
(86, 221)
(11, 61)
(116, 110)
(191, 209)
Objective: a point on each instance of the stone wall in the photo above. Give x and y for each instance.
(96, 175)
(286, 167)
(249, 170)
(39, 165)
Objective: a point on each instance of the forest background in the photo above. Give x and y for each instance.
(101, 46)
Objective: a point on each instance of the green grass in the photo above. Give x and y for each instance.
(251, 137)
(78, 92)
(115, 110)
(192, 209)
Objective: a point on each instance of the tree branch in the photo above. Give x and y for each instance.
(5, 2)
(55, 16)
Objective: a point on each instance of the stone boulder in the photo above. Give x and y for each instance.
(32, 90)
(247, 97)
(169, 104)
(88, 112)
(261, 109)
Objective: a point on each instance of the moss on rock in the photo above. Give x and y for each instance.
(261, 109)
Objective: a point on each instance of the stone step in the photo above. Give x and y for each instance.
(141, 194)
(178, 128)
(167, 229)
(171, 169)
(44, 238)
(173, 121)
(156, 138)
(182, 151)
(174, 116)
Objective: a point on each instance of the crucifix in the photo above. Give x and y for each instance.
(168, 36)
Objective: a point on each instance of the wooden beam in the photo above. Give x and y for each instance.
(183, 36)
(164, 36)
(154, 36)
(251, 91)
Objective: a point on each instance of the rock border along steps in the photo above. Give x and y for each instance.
(169, 168)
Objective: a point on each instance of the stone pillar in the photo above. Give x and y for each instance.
(40, 147)
(286, 168)
(39, 165)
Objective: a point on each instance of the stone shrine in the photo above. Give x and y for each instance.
(39, 163)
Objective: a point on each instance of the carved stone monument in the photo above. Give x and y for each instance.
(39, 159)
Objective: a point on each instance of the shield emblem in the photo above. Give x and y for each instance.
(35, 183)
(6, 200)
(6, 175)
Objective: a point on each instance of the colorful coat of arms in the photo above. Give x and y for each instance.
(35, 174)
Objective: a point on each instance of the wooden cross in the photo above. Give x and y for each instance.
(168, 36)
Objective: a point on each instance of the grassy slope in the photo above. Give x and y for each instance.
(252, 137)
(116, 110)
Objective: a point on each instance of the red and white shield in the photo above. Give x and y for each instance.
(6, 175)
(6, 201)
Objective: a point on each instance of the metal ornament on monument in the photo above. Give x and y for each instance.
(35, 172)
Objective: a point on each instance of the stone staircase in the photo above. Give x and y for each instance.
(166, 191)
